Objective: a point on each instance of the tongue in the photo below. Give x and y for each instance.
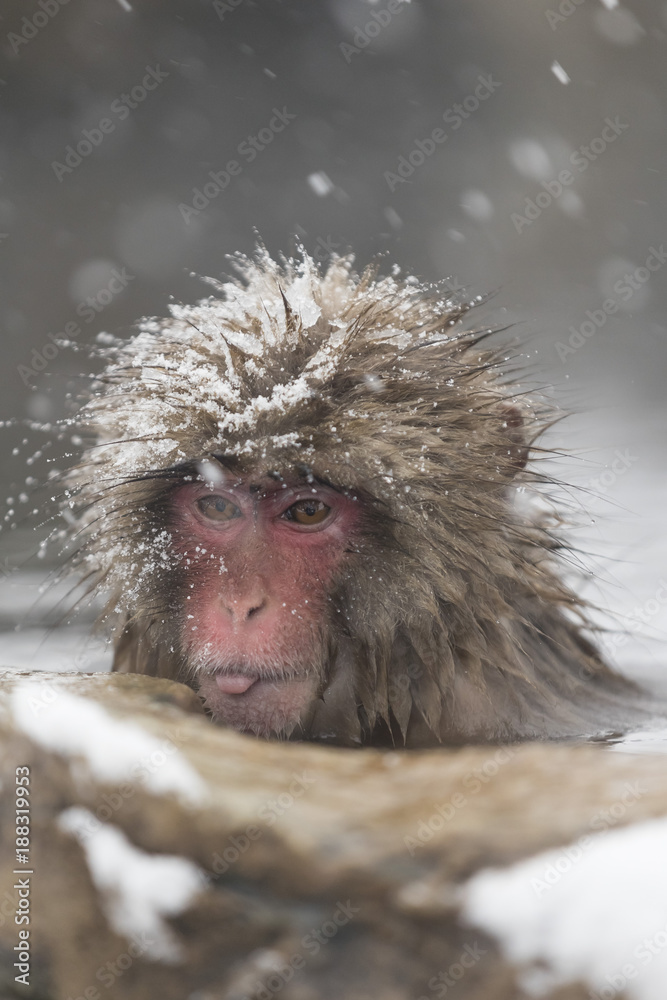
(234, 683)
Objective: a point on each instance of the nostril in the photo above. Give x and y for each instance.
(243, 609)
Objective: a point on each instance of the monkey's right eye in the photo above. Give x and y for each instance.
(217, 508)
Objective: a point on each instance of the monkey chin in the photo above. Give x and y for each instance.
(261, 706)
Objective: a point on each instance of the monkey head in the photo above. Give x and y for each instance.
(298, 496)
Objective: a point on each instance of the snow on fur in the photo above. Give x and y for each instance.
(213, 354)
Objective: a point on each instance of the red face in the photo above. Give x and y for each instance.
(258, 560)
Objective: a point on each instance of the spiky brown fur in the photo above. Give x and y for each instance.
(449, 622)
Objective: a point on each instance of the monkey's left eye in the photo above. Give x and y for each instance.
(217, 508)
(307, 512)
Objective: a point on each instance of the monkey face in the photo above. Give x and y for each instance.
(257, 560)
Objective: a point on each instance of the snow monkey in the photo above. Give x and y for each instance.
(300, 497)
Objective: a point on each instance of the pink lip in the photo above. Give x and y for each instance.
(234, 683)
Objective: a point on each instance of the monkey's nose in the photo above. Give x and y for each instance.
(244, 608)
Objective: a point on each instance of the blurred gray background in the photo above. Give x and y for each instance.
(114, 113)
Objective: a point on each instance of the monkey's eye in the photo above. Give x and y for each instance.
(217, 508)
(307, 512)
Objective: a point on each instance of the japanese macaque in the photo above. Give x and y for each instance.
(300, 495)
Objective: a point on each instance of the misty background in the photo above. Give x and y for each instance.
(514, 148)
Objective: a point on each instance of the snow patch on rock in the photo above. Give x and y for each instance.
(114, 750)
(138, 890)
(602, 920)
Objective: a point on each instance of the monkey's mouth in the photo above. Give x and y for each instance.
(239, 684)
(261, 703)
(235, 683)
